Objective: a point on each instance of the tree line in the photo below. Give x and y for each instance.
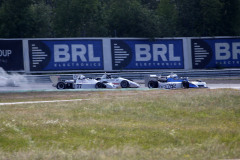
(118, 18)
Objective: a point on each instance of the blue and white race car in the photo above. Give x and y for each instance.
(172, 82)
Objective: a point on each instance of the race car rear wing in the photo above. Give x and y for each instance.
(154, 78)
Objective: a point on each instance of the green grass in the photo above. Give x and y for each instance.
(157, 124)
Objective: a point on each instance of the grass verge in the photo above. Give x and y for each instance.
(154, 124)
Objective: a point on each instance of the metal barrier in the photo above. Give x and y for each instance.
(140, 75)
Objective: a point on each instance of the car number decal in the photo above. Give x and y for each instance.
(169, 86)
(78, 85)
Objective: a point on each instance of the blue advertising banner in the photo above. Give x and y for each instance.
(11, 55)
(55, 55)
(215, 53)
(146, 54)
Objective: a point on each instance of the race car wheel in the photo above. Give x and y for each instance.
(153, 84)
(124, 84)
(103, 84)
(100, 85)
(60, 85)
(185, 84)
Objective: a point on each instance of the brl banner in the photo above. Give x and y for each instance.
(214, 53)
(58, 55)
(145, 54)
(11, 55)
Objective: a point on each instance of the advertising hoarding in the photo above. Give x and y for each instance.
(139, 54)
(11, 55)
(62, 55)
(215, 53)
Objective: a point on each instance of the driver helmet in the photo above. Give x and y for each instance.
(81, 77)
(174, 76)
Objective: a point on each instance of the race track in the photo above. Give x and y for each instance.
(38, 87)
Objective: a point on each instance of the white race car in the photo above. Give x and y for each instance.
(119, 82)
(172, 82)
(79, 82)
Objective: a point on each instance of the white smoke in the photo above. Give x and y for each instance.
(11, 79)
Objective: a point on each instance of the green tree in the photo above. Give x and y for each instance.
(151, 4)
(16, 19)
(189, 14)
(98, 25)
(42, 15)
(230, 18)
(167, 14)
(210, 20)
(128, 18)
(122, 18)
(76, 18)
(208, 17)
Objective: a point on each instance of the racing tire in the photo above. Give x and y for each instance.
(124, 84)
(100, 85)
(185, 84)
(153, 84)
(61, 85)
(104, 85)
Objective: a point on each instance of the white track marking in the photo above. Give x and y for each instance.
(33, 102)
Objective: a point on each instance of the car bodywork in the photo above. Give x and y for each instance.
(79, 82)
(119, 82)
(172, 82)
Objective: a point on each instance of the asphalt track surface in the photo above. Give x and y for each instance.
(45, 87)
